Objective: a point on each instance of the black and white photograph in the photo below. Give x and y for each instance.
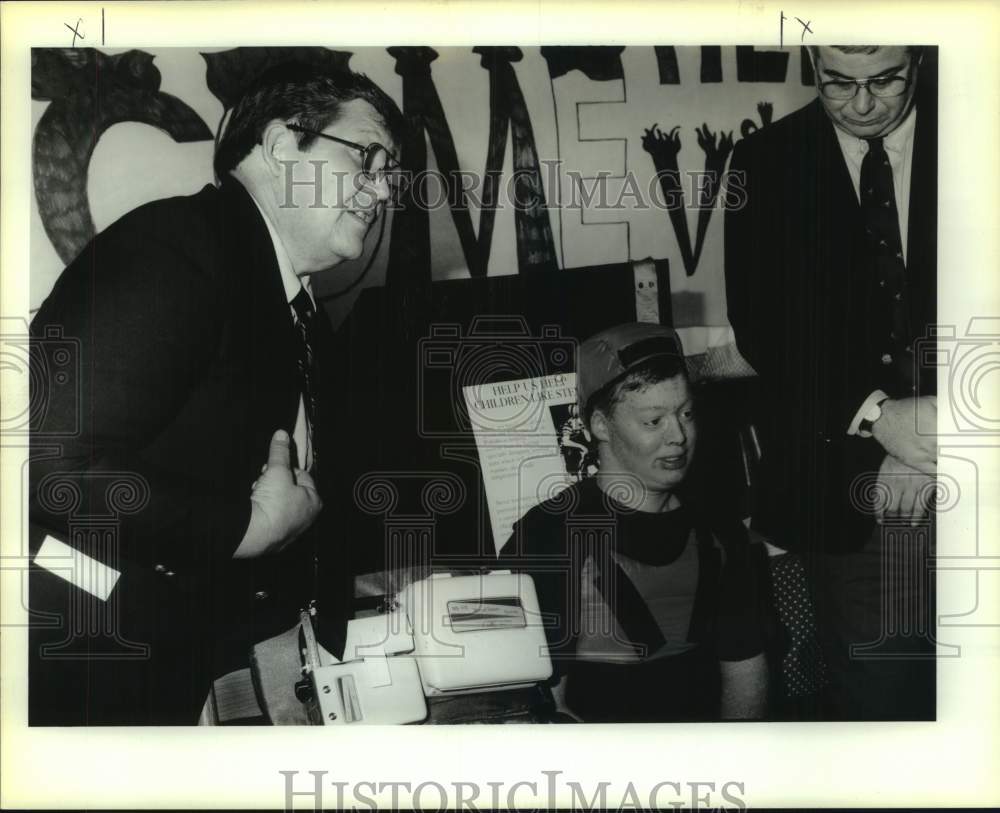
(552, 381)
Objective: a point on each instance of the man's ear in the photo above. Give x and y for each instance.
(599, 426)
(278, 144)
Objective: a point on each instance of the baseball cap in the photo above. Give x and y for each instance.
(609, 355)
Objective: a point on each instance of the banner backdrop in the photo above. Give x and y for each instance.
(525, 158)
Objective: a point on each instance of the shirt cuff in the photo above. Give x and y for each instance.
(870, 401)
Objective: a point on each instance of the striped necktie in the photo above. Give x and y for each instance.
(305, 325)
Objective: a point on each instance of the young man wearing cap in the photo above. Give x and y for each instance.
(649, 602)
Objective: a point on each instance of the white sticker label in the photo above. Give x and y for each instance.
(76, 568)
(485, 614)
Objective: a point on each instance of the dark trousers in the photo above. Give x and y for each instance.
(876, 618)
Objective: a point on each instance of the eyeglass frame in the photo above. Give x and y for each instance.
(392, 163)
(864, 83)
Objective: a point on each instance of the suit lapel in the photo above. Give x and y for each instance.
(921, 242)
(835, 183)
(273, 385)
(845, 284)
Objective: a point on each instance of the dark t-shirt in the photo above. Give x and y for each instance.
(638, 607)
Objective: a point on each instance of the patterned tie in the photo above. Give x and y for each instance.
(305, 314)
(878, 207)
(803, 667)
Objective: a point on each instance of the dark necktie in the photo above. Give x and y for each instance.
(803, 667)
(878, 208)
(305, 325)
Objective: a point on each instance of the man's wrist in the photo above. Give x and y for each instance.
(876, 432)
(868, 413)
(255, 538)
(866, 427)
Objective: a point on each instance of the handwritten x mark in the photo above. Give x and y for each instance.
(76, 31)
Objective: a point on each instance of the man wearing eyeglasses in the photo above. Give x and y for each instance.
(831, 280)
(204, 355)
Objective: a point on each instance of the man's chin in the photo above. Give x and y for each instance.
(349, 252)
(872, 129)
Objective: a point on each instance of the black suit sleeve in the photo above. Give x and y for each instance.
(793, 271)
(798, 297)
(143, 317)
(750, 282)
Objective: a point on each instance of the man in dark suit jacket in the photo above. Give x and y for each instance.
(201, 356)
(831, 281)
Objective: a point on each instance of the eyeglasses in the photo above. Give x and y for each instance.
(376, 161)
(842, 90)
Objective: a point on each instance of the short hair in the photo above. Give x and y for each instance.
(312, 97)
(645, 374)
(912, 50)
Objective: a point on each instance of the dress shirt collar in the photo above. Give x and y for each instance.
(897, 141)
(289, 280)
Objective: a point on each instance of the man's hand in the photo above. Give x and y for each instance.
(897, 431)
(284, 503)
(909, 490)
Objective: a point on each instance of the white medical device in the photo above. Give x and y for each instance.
(445, 635)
